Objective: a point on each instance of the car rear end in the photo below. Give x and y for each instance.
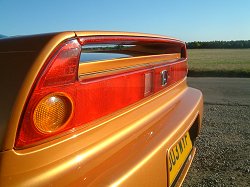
(97, 109)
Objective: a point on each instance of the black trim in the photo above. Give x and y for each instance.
(181, 170)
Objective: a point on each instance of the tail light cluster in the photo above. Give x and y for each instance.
(60, 102)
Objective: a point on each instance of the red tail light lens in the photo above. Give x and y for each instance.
(51, 104)
(63, 68)
(60, 102)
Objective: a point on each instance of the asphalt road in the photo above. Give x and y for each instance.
(223, 147)
(223, 90)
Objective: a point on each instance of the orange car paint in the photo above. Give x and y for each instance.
(126, 148)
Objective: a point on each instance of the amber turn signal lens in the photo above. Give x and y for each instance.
(52, 113)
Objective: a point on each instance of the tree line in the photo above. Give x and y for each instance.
(240, 44)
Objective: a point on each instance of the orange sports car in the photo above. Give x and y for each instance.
(96, 109)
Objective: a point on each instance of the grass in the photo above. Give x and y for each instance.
(219, 62)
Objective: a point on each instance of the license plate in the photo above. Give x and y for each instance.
(177, 156)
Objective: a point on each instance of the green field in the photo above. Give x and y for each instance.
(219, 62)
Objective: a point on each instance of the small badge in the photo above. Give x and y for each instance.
(164, 77)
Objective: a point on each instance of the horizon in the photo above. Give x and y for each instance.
(223, 20)
(4, 36)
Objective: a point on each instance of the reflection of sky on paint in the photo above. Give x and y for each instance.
(95, 52)
(187, 20)
(101, 56)
(2, 36)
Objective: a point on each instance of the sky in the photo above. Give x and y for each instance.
(188, 20)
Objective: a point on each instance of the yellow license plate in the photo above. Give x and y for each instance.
(177, 156)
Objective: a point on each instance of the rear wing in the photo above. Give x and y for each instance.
(139, 50)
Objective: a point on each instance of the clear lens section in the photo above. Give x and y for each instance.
(51, 113)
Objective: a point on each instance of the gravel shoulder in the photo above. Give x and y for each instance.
(223, 147)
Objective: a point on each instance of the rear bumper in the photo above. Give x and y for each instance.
(125, 149)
